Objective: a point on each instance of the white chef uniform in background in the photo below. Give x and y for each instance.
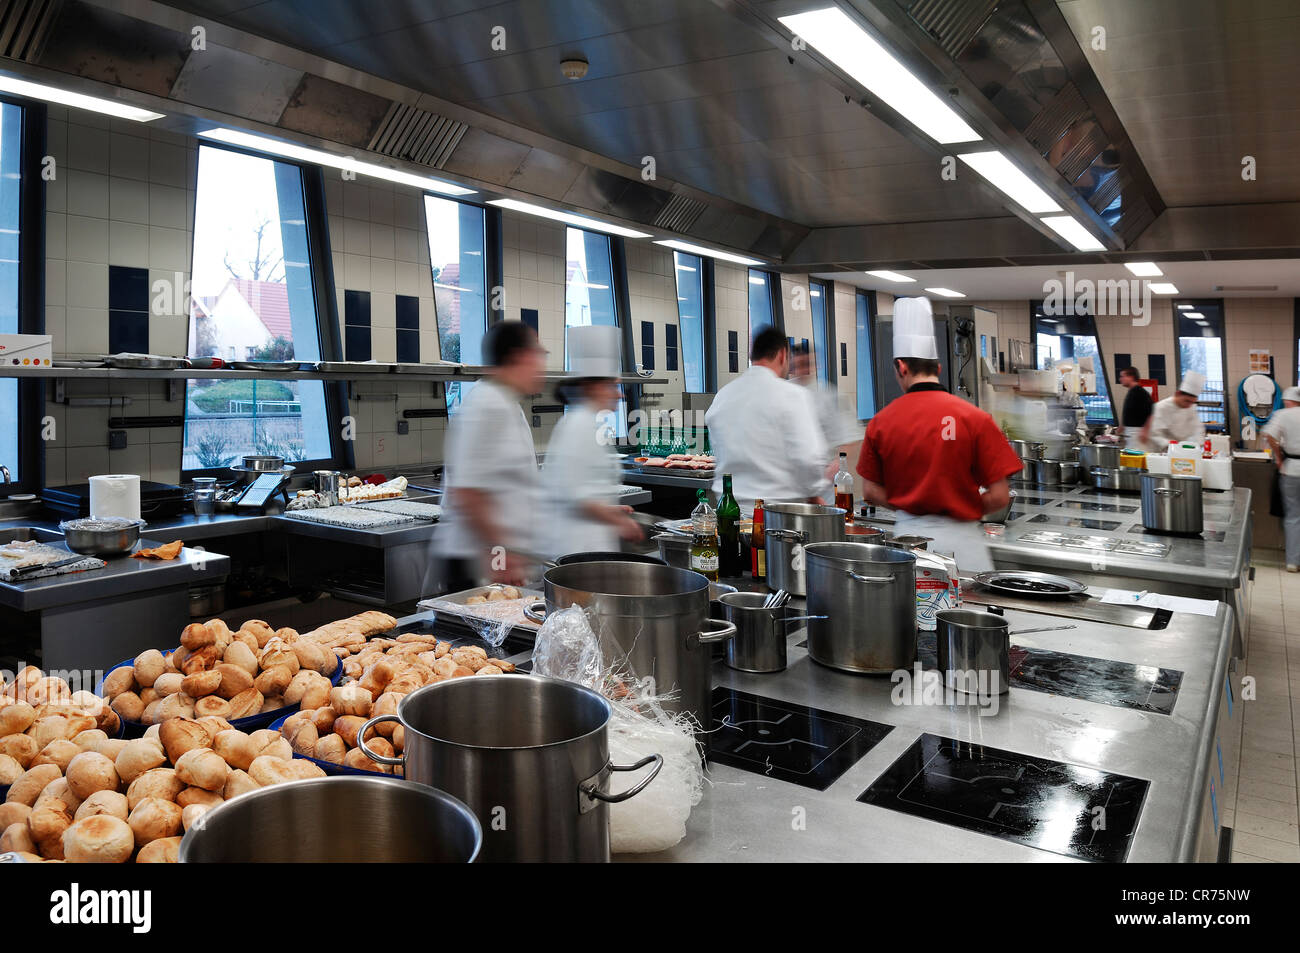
(1170, 422)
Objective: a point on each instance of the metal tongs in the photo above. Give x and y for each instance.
(775, 600)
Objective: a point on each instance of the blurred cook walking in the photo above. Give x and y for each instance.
(1176, 418)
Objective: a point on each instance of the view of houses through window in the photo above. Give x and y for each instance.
(589, 294)
(456, 255)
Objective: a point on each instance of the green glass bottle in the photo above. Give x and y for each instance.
(729, 555)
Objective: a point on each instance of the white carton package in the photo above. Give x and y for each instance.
(1216, 474)
(27, 350)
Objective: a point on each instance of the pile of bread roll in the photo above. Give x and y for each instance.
(379, 676)
(218, 672)
(77, 794)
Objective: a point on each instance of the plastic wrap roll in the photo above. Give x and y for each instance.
(115, 494)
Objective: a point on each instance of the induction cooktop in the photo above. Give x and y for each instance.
(1097, 507)
(805, 746)
(1209, 535)
(1048, 805)
(1076, 522)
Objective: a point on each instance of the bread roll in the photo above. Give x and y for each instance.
(272, 703)
(246, 703)
(311, 654)
(153, 818)
(89, 772)
(260, 630)
(148, 696)
(278, 680)
(104, 802)
(156, 782)
(249, 639)
(199, 796)
(317, 694)
(399, 738)
(128, 705)
(137, 757)
(323, 719)
(47, 822)
(201, 683)
(49, 690)
(58, 788)
(238, 653)
(303, 737)
(351, 700)
(109, 748)
(11, 812)
(191, 813)
(386, 704)
(213, 705)
(99, 839)
(148, 666)
(181, 735)
(118, 681)
(10, 769)
(234, 680)
(203, 768)
(180, 705)
(87, 739)
(330, 748)
(347, 726)
(17, 837)
(277, 653)
(214, 725)
(236, 748)
(47, 728)
(152, 733)
(32, 782)
(164, 850)
(196, 636)
(16, 718)
(169, 683)
(266, 770)
(239, 782)
(109, 722)
(200, 660)
(59, 752)
(356, 758)
(22, 748)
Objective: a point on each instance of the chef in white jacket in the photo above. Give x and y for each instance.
(1176, 418)
(581, 475)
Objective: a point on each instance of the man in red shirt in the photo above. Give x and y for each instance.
(928, 453)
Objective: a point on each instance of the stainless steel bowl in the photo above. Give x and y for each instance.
(337, 820)
(263, 463)
(82, 537)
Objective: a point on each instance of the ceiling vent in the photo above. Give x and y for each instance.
(1064, 110)
(417, 136)
(1242, 288)
(953, 23)
(24, 25)
(679, 214)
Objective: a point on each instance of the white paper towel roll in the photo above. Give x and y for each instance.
(115, 494)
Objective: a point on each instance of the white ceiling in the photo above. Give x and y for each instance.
(1194, 279)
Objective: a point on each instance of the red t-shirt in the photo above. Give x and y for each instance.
(932, 452)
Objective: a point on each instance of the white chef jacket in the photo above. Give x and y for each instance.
(579, 468)
(1170, 422)
(764, 431)
(1284, 427)
(489, 448)
(838, 429)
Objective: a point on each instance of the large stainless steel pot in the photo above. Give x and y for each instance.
(868, 595)
(1099, 455)
(1124, 479)
(655, 619)
(337, 820)
(529, 755)
(610, 556)
(1027, 450)
(1069, 472)
(974, 650)
(791, 527)
(1171, 503)
(674, 550)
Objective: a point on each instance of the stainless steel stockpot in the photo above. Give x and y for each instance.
(760, 640)
(1027, 450)
(868, 595)
(529, 755)
(1171, 503)
(974, 650)
(1125, 479)
(336, 820)
(790, 527)
(1099, 455)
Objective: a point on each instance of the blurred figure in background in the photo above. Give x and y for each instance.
(1283, 435)
(1137, 404)
(582, 475)
(1176, 419)
(491, 485)
(764, 431)
(839, 429)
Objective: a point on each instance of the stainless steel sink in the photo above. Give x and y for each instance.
(24, 534)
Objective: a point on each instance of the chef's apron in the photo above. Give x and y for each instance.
(965, 540)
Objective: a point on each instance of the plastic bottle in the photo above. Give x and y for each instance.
(704, 539)
(844, 488)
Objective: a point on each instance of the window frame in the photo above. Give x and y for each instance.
(772, 283)
(1222, 321)
(866, 355)
(320, 263)
(1103, 372)
(827, 295)
(708, 325)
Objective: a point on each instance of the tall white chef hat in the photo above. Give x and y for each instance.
(594, 351)
(914, 329)
(1193, 383)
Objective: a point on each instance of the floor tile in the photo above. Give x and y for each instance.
(1266, 827)
(1265, 847)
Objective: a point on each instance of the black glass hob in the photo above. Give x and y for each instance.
(1209, 535)
(805, 746)
(1097, 507)
(1076, 522)
(1063, 808)
(1033, 500)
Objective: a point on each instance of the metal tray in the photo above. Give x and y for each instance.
(280, 366)
(77, 365)
(145, 362)
(1042, 585)
(353, 367)
(427, 367)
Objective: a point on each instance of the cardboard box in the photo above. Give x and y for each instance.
(26, 350)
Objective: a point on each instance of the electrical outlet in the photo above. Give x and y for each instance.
(117, 440)
(537, 420)
(403, 426)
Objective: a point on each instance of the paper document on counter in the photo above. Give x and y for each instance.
(1158, 600)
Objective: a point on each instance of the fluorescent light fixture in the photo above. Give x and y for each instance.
(289, 150)
(945, 292)
(837, 37)
(1014, 184)
(1144, 269)
(816, 292)
(1074, 233)
(52, 94)
(1193, 314)
(889, 276)
(569, 218)
(706, 252)
(756, 281)
(1162, 288)
(1184, 307)
(685, 268)
(588, 284)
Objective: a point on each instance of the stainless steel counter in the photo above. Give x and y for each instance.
(746, 817)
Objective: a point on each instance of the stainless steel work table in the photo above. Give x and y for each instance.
(748, 817)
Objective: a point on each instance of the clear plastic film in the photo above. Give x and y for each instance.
(655, 819)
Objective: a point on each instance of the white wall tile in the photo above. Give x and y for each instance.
(128, 244)
(169, 248)
(168, 206)
(87, 285)
(87, 193)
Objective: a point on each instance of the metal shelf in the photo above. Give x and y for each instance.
(434, 373)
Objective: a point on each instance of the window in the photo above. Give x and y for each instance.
(690, 318)
(457, 249)
(1199, 330)
(1074, 336)
(590, 297)
(819, 293)
(866, 377)
(11, 187)
(764, 301)
(252, 286)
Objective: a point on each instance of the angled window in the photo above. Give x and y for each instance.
(11, 167)
(1199, 328)
(819, 293)
(764, 302)
(1071, 337)
(690, 319)
(253, 293)
(588, 281)
(457, 253)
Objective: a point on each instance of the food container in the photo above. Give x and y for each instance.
(868, 595)
(760, 641)
(974, 649)
(1172, 504)
(336, 820)
(1099, 455)
(1124, 479)
(652, 619)
(1133, 459)
(790, 527)
(536, 768)
(101, 535)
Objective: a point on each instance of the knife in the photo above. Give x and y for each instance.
(28, 570)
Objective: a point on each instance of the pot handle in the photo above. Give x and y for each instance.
(591, 787)
(793, 534)
(874, 580)
(716, 635)
(1097, 471)
(361, 741)
(1168, 491)
(535, 612)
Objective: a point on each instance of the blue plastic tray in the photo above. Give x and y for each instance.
(329, 767)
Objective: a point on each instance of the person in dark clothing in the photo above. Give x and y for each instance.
(1137, 403)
